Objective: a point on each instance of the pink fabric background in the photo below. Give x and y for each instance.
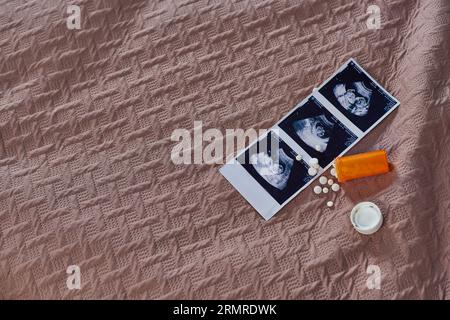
(85, 172)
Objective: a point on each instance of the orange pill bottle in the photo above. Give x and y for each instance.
(361, 165)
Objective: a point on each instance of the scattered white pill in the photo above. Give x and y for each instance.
(312, 171)
(313, 161)
(317, 189)
(298, 157)
(330, 203)
(325, 190)
(335, 187)
(318, 148)
(330, 182)
(323, 180)
(333, 172)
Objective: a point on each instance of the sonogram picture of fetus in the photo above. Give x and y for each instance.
(314, 131)
(317, 131)
(354, 97)
(276, 173)
(357, 96)
(274, 167)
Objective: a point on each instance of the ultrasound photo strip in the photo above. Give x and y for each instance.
(325, 125)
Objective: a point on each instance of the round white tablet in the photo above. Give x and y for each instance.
(333, 172)
(316, 166)
(312, 171)
(335, 187)
(313, 161)
(325, 190)
(323, 180)
(317, 189)
(298, 157)
(330, 203)
(318, 148)
(330, 182)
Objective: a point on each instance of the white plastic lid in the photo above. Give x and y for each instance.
(366, 217)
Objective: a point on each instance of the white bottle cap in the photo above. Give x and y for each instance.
(366, 217)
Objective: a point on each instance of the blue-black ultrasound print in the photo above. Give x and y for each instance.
(359, 98)
(274, 166)
(317, 131)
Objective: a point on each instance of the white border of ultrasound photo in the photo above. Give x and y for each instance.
(341, 116)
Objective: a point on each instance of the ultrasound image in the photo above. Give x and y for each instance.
(314, 131)
(317, 131)
(271, 162)
(357, 96)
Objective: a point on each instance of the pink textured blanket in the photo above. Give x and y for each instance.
(86, 177)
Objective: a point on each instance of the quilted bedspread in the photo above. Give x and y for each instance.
(86, 177)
